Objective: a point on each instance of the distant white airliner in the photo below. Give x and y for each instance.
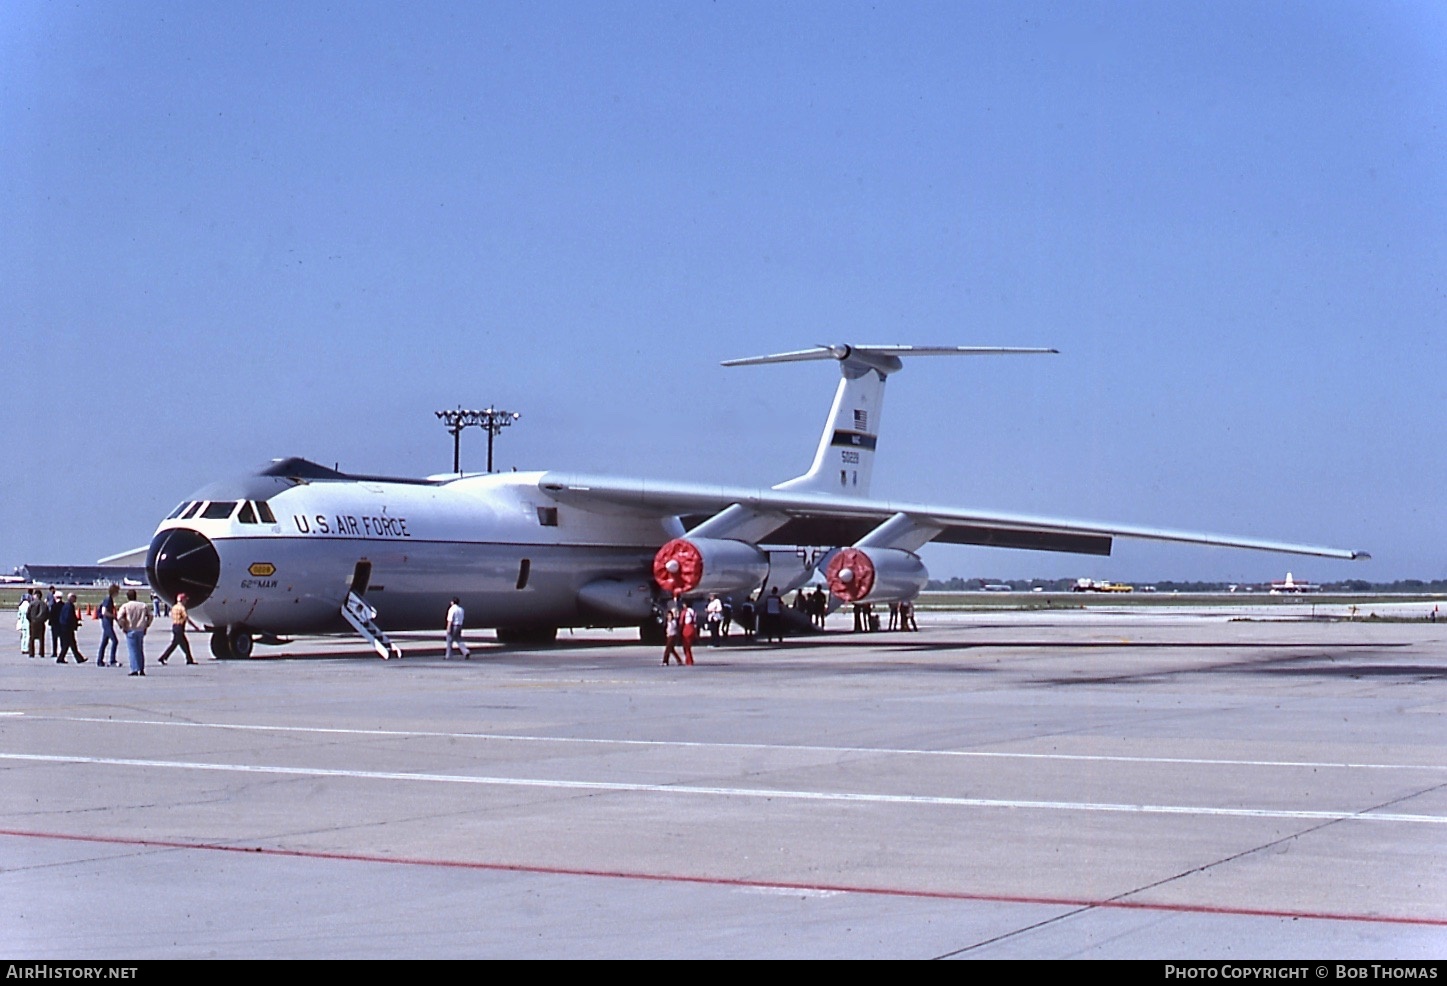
(297, 548)
(1290, 586)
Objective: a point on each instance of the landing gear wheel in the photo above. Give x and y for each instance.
(651, 631)
(526, 636)
(240, 642)
(228, 643)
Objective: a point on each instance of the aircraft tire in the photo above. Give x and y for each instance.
(526, 636)
(239, 643)
(220, 649)
(651, 631)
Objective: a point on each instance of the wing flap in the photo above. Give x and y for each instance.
(1001, 537)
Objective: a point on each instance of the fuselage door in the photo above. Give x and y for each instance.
(361, 576)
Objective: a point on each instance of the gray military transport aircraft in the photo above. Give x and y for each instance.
(297, 548)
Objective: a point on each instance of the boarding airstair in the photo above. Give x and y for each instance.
(363, 618)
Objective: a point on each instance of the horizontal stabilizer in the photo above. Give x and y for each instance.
(844, 352)
(844, 459)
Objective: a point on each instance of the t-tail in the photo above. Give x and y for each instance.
(844, 461)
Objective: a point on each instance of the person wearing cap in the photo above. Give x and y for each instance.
(57, 603)
(179, 619)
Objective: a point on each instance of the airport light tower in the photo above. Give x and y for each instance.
(494, 420)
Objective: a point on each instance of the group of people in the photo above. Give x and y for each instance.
(901, 617)
(764, 616)
(814, 605)
(39, 609)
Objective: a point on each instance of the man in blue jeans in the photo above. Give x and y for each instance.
(106, 613)
(134, 618)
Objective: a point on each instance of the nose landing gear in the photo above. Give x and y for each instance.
(231, 643)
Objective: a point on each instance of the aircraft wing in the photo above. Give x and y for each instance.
(818, 519)
(133, 558)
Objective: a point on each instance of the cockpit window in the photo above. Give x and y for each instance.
(179, 507)
(191, 510)
(247, 515)
(218, 510)
(263, 509)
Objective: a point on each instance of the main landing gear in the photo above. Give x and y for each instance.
(530, 636)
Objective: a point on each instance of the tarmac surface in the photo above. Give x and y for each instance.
(1166, 785)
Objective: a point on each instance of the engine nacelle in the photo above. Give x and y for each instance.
(688, 566)
(872, 575)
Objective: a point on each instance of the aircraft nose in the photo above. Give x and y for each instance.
(181, 560)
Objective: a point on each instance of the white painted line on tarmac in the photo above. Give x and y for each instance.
(740, 792)
(776, 747)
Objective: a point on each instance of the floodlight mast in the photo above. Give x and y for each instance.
(490, 418)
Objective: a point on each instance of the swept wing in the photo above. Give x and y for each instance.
(832, 519)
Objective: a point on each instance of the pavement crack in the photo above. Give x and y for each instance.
(1124, 896)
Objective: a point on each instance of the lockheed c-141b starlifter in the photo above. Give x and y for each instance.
(297, 548)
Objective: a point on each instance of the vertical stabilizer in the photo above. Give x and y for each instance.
(844, 460)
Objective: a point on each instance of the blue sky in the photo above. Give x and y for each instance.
(240, 231)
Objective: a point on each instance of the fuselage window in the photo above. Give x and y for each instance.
(191, 510)
(247, 515)
(177, 512)
(548, 516)
(263, 510)
(218, 510)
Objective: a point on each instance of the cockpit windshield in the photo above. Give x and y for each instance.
(218, 510)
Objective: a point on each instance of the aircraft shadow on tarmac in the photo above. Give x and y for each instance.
(1344, 660)
(1273, 658)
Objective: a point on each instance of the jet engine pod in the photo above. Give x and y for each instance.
(686, 566)
(860, 575)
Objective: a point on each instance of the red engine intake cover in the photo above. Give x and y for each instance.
(678, 567)
(850, 574)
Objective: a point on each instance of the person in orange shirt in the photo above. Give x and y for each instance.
(179, 619)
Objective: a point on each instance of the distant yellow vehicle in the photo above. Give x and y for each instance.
(1090, 585)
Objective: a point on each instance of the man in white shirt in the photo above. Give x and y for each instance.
(714, 615)
(455, 617)
(134, 617)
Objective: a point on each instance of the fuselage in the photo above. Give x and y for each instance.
(280, 551)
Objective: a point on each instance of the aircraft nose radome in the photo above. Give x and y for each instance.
(181, 560)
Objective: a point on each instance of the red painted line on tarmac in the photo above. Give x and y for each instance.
(715, 881)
